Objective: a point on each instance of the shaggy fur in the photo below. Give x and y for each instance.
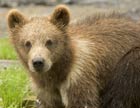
(122, 91)
(80, 58)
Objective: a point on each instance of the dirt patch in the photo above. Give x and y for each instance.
(4, 64)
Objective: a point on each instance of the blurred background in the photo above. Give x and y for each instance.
(15, 89)
(78, 8)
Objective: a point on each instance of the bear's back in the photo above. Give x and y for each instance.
(105, 38)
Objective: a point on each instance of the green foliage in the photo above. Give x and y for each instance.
(13, 87)
(6, 49)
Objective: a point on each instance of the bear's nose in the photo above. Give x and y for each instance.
(38, 63)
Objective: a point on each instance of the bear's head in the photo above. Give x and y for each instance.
(40, 41)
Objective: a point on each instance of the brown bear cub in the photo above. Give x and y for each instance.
(71, 63)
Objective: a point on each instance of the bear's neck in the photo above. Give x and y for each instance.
(61, 68)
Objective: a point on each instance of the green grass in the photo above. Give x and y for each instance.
(14, 87)
(6, 49)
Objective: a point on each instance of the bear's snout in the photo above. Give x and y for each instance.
(38, 63)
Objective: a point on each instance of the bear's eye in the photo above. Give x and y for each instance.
(28, 44)
(48, 43)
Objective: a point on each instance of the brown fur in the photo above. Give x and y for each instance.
(81, 59)
(122, 90)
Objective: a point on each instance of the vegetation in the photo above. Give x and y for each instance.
(13, 87)
(6, 49)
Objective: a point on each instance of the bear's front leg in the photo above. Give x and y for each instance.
(83, 94)
(49, 100)
(50, 105)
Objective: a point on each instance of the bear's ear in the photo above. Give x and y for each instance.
(15, 18)
(60, 16)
